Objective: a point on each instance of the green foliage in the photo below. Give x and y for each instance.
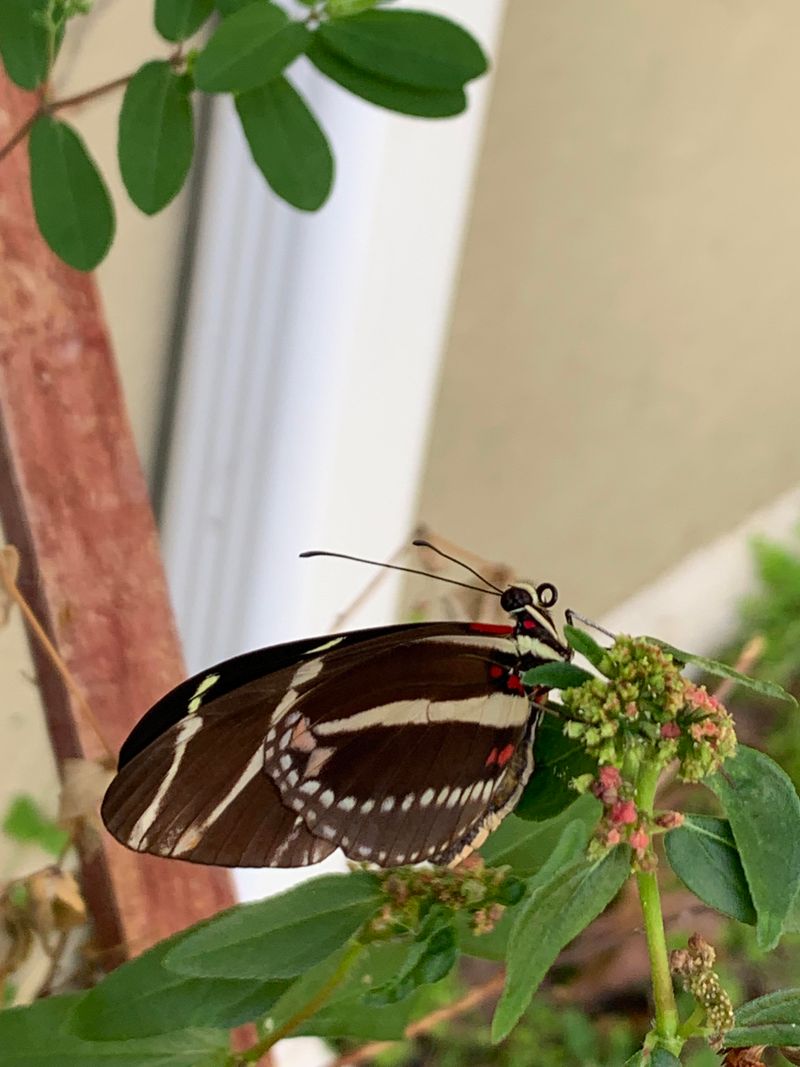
(551, 917)
(773, 611)
(287, 144)
(156, 136)
(346, 1015)
(38, 1036)
(557, 675)
(280, 937)
(178, 19)
(143, 998)
(412, 48)
(763, 809)
(413, 62)
(72, 205)
(768, 689)
(25, 41)
(770, 1020)
(585, 644)
(25, 822)
(250, 48)
(704, 856)
(558, 760)
(395, 96)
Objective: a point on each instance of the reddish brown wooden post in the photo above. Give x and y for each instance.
(74, 502)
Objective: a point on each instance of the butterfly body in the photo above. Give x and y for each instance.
(399, 744)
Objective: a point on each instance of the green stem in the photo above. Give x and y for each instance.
(666, 1027)
(255, 1052)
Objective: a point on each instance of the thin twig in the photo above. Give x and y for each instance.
(470, 1000)
(20, 135)
(9, 582)
(747, 659)
(49, 107)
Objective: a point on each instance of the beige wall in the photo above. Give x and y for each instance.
(138, 279)
(621, 381)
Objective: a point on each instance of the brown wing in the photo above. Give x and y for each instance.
(199, 793)
(414, 755)
(191, 782)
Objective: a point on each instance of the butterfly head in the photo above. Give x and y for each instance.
(530, 606)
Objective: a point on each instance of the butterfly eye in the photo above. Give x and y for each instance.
(547, 594)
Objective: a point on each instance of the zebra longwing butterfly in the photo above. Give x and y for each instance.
(399, 745)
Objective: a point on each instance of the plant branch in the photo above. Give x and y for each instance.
(470, 1000)
(255, 1052)
(47, 107)
(9, 561)
(666, 1023)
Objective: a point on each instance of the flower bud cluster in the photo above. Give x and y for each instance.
(482, 892)
(695, 965)
(644, 706)
(622, 821)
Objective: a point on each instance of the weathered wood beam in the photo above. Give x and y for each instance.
(74, 501)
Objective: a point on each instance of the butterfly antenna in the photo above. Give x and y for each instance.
(421, 543)
(570, 615)
(397, 567)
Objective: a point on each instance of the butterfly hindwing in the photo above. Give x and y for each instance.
(411, 758)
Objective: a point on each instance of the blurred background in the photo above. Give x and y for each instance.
(561, 330)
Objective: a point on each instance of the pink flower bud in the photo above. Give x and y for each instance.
(639, 840)
(670, 820)
(670, 730)
(613, 837)
(623, 813)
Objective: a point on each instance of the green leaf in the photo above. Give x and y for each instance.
(142, 998)
(660, 1057)
(570, 845)
(230, 7)
(250, 48)
(287, 144)
(770, 1020)
(722, 670)
(156, 136)
(24, 41)
(24, 822)
(428, 961)
(344, 1013)
(557, 760)
(178, 19)
(413, 48)
(431, 104)
(526, 845)
(73, 208)
(548, 920)
(762, 805)
(37, 1036)
(704, 856)
(283, 936)
(557, 676)
(320, 982)
(584, 643)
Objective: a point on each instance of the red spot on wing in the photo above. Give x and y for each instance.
(495, 671)
(529, 624)
(491, 758)
(504, 755)
(489, 628)
(514, 683)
